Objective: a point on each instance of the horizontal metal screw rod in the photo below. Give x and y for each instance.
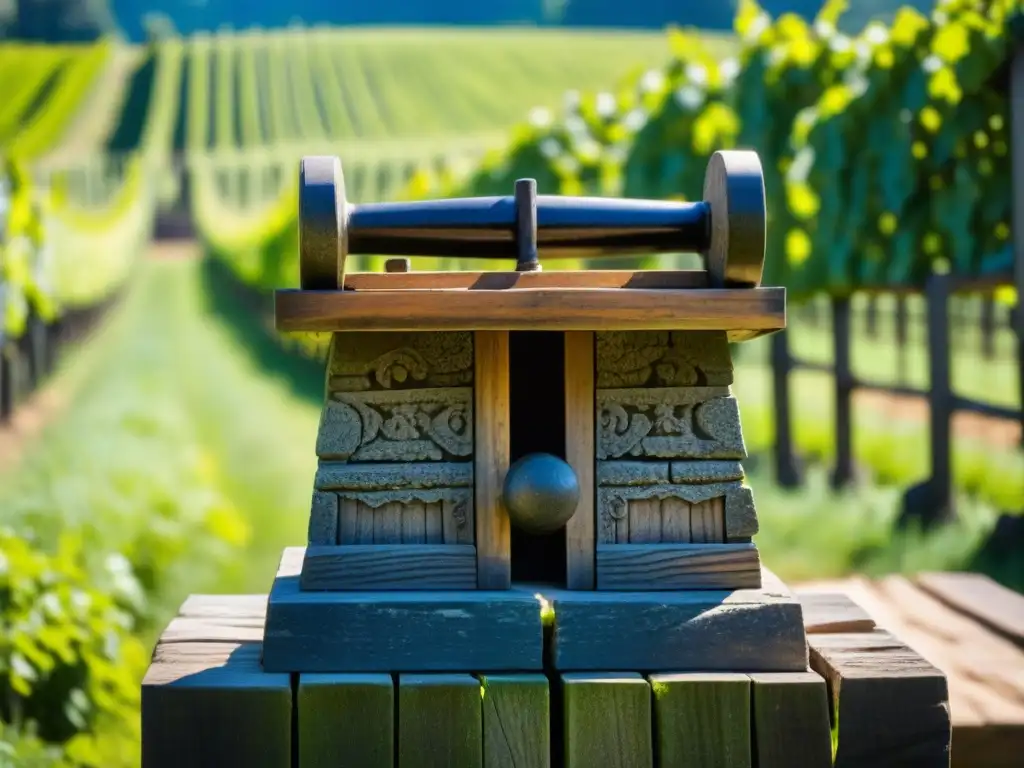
(567, 227)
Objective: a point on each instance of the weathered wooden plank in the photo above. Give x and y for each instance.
(414, 524)
(591, 278)
(323, 518)
(698, 630)
(215, 707)
(678, 566)
(365, 515)
(580, 455)
(998, 608)
(707, 521)
(439, 721)
(395, 566)
(739, 311)
(791, 720)
(345, 720)
(492, 458)
(195, 629)
(607, 720)
(830, 612)
(433, 529)
(348, 517)
(516, 721)
(702, 719)
(644, 523)
(675, 521)
(224, 606)
(400, 631)
(387, 523)
(892, 706)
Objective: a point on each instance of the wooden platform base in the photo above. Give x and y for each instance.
(756, 630)
(206, 702)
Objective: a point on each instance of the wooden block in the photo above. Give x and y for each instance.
(516, 721)
(414, 525)
(393, 631)
(365, 516)
(677, 566)
(579, 454)
(439, 721)
(397, 566)
(323, 519)
(998, 608)
(345, 720)
(591, 278)
(607, 720)
(644, 522)
(892, 706)
(433, 530)
(791, 720)
(741, 312)
(215, 707)
(348, 522)
(698, 630)
(702, 719)
(493, 457)
(831, 612)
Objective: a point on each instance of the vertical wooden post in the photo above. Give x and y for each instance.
(987, 326)
(1017, 223)
(787, 474)
(901, 339)
(941, 410)
(6, 385)
(843, 382)
(492, 451)
(580, 453)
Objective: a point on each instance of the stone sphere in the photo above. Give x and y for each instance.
(541, 493)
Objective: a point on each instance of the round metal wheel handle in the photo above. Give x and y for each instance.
(734, 191)
(323, 223)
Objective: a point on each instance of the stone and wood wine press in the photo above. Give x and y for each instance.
(530, 539)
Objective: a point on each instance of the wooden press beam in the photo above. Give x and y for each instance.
(492, 456)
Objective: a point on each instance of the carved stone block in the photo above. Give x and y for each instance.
(323, 519)
(406, 516)
(338, 476)
(667, 423)
(663, 359)
(706, 471)
(632, 472)
(667, 513)
(399, 426)
(402, 360)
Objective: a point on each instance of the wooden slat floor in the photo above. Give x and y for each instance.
(972, 629)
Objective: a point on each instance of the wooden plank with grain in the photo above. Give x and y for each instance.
(826, 612)
(389, 566)
(892, 706)
(345, 719)
(398, 631)
(986, 601)
(516, 721)
(702, 719)
(628, 567)
(791, 720)
(213, 705)
(743, 313)
(607, 720)
(580, 454)
(225, 606)
(439, 721)
(591, 278)
(492, 458)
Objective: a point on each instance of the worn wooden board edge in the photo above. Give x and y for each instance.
(987, 602)
(750, 311)
(432, 631)
(505, 280)
(832, 611)
(368, 567)
(638, 567)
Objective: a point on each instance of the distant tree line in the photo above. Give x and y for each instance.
(76, 20)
